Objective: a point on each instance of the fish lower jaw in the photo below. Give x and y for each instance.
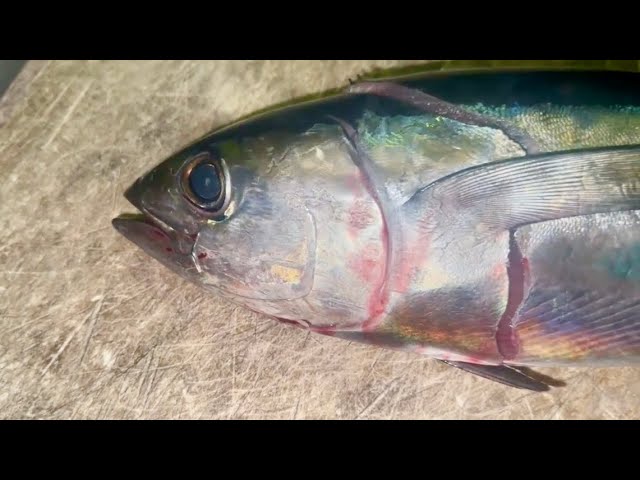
(145, 217)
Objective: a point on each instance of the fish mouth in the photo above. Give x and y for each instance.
(160, 242)
(123, 222)
(149, 232)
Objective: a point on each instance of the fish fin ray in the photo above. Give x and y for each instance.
(512, 193)
(511, 376)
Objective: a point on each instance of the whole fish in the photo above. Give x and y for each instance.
(486, 219)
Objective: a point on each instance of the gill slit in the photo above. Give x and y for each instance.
(379, 300)
(507, 339)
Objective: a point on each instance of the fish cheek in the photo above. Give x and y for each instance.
(260, 257)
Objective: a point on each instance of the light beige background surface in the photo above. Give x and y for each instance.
(92, 328)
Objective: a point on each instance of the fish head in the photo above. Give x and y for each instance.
(229, 216)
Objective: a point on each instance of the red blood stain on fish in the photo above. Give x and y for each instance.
(369, 271)
(380, 297)
(518, 271)
(159, 234)
(497, 273)
(377, 306)
(169, 249)
(368, 264)
(354, 184)
(330, 330)
(404, 274)
(411, 259)
(359, 217)
(202, 255)
(293, 323)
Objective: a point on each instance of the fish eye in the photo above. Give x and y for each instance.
(204, 183)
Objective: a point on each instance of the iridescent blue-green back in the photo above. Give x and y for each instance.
(416, 149)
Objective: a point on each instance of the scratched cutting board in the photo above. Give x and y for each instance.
(92, 328)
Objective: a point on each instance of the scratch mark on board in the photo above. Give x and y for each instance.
(55, 101)
(71, 336)
(68, 114)
(94, 319)
(377, 400)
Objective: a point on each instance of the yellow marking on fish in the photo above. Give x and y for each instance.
(286, 274)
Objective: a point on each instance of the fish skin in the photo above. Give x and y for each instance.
(308, 240)
(584, 291)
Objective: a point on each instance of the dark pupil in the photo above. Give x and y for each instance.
(205, 183)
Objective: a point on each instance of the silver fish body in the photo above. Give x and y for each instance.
(484, 220)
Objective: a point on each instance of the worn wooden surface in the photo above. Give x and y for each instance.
(92, 328)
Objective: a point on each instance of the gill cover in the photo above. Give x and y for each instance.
(275, 259)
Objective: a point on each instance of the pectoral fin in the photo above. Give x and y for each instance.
(508, 194)
(507, 375)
